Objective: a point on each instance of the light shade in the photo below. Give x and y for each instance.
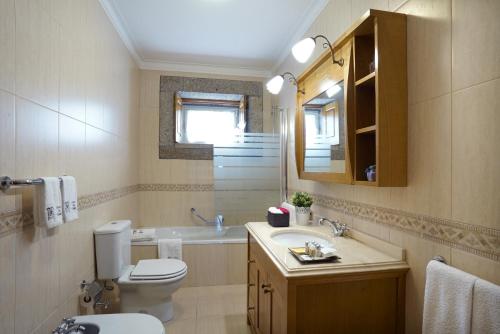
(274, 85)
(303, 49)
(333, 90)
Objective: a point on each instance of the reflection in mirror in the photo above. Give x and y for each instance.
(324, 131)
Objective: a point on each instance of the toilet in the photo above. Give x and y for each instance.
(144, 288)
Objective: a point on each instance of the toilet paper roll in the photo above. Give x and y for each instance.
(86, 304)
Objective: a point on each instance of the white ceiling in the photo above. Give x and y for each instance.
(241, 37)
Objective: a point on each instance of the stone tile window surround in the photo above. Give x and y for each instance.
(169, 85)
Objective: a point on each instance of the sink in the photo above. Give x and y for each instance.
(122, 323)
(298, 238)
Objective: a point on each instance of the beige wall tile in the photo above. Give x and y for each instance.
(359, 7)
(96, 155)
(72, 151)
(166, 208)
(36, 140)
(7, 41)
(74, 61)
(429, 157)
(7, 284)
(476, 51)
(418, 253)
(7, 140)
(38, 42)
(395, 4)
(95, 72)
(37, 277)
(77, 255)
(476, 155)
(483, 268)
(429, 48)
(150, 90)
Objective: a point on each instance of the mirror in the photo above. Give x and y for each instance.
(324, 131)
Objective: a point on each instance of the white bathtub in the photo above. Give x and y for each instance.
(200, 235)
(212, 257)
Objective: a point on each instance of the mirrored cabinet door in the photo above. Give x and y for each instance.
(321, 121)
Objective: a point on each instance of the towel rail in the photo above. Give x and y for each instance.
(7, 182)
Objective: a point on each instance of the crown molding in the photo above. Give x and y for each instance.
(204, 68)
(160, 65)
(187, 67)
(307, 21)
(117, 23)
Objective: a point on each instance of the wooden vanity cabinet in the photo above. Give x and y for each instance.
(361, 302)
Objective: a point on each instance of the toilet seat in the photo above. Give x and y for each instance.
(158, 269)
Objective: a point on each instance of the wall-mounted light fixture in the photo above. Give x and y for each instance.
(303, 49)
(276, 83)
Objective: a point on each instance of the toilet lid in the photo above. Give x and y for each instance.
(158, 269)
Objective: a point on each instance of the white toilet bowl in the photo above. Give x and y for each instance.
(148, 287)
(144, 288)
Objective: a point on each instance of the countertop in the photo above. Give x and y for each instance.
(359, 252)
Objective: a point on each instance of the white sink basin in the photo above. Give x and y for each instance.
(122, 323)
(298, 238)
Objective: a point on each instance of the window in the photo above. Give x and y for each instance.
(216, 119)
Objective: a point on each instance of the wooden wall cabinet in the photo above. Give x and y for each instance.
(376, 99)
(362, 302)
(380, 99)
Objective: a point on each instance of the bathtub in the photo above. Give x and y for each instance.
(200, 235)
(213, 257)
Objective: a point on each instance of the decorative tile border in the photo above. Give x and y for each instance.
(89, 201)
(14, 220)
(175, 187)
(479, 240)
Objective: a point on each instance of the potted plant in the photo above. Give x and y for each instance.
(302, 202)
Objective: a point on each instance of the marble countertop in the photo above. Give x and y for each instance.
(359, 252)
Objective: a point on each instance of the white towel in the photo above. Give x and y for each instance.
(486, 308)
(70, 198)
(47, 203)
(291, 210)
(143, 234)
(448, 300)
(170, 249)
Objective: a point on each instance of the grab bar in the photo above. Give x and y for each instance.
(219, 219)
(193, 211)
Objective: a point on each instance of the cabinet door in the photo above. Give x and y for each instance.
(264, 309)
(252, 293)
(278, 313)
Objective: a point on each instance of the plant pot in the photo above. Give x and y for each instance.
(302, 215)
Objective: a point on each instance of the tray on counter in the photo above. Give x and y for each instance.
(300, 254)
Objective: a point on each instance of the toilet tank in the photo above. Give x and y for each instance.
(112, 248)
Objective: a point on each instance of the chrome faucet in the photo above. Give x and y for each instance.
(339, 229)
(68, 326)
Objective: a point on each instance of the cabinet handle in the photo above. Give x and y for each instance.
(251, 261)
(264, 285)
(251, 308)
(268, 290)
(251, 284)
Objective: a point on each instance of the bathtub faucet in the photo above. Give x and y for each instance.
(218, 222)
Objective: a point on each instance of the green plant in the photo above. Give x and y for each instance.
(302, 199)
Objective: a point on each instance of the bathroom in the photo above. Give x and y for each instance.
(97, 90)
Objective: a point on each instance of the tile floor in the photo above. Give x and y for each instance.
(209, 310)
